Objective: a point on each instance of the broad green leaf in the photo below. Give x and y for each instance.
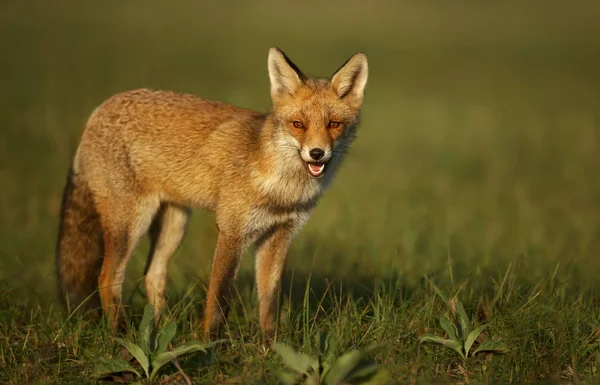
(450, 328)
(299, 363)
(322, 346)
(371, 348)
(287, 378)
(365, 369)
(209, 345)
(463, 320)
(164, 358)
(491, 346)
(361, 369)
(114, 366)
(332, 348)
(322, 343)
(382, 377)
(137, 352)
(165, 336)
(455, 345)
(313, 378)
(471, 338)
(145, 331)
(343, 366)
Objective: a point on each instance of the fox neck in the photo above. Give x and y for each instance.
(280, 173)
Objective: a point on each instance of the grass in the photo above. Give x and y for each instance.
(476, 166)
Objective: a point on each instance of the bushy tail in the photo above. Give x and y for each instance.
(80, 247)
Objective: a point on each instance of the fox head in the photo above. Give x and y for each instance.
(317, 117)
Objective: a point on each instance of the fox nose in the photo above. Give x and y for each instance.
(316, 153)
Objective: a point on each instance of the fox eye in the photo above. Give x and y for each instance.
(298, 124)
(334, 124)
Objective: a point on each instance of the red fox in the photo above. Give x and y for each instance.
(147, 157)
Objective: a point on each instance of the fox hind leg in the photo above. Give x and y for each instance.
(166, 233)
(122, 225)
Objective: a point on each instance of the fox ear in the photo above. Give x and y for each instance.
(285, 76)
(350, 80)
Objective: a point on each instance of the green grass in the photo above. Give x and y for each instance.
(476, 165)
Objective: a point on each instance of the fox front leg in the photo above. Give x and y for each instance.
(270, 263)
(224, 269)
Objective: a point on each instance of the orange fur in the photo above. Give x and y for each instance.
(147, 157)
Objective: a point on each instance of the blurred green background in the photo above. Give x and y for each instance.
(478, 148)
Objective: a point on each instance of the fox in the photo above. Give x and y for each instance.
(147, 158)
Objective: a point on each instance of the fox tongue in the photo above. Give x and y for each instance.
(316, 169)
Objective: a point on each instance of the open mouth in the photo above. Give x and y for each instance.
(316, 169)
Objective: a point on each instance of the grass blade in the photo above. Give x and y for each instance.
(443, 295)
